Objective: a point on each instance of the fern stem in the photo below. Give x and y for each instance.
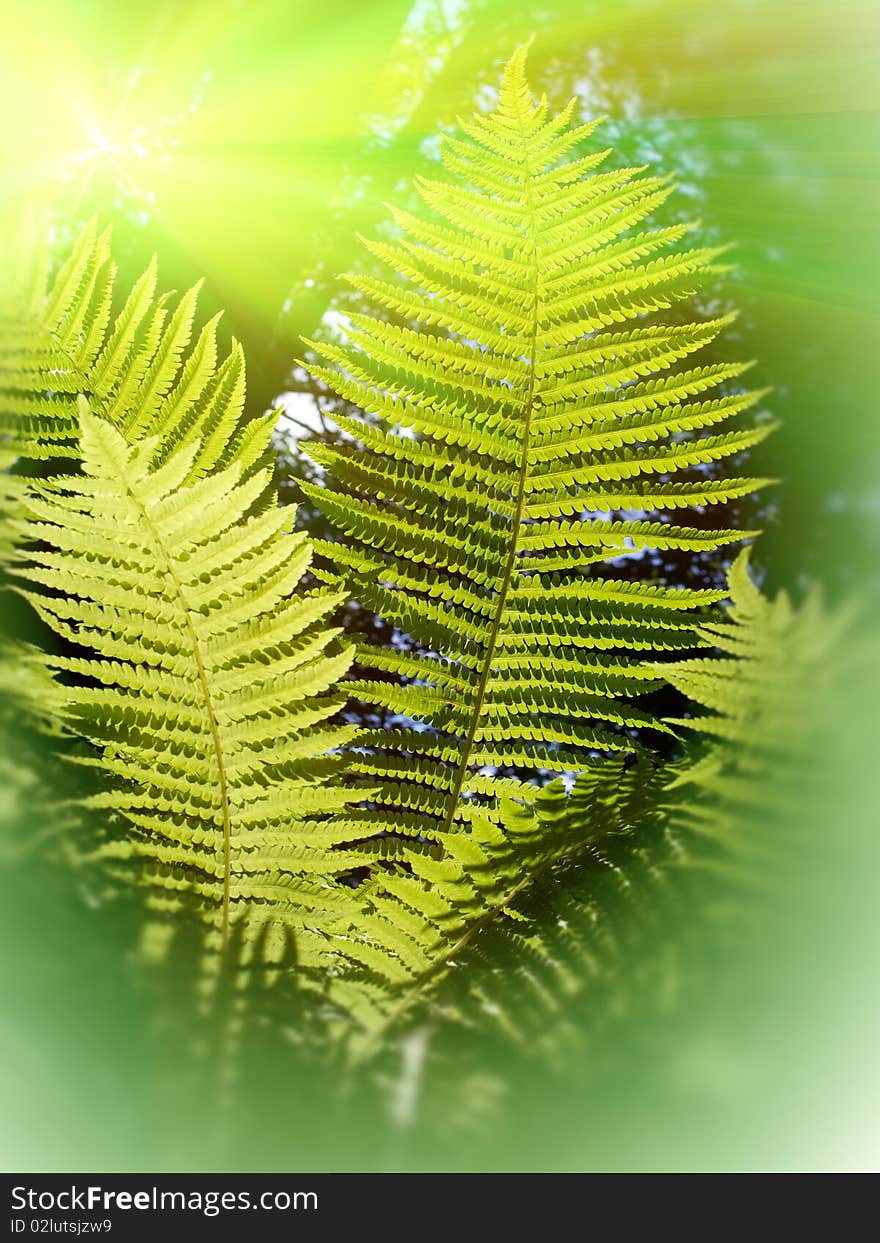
(98, 405)
(222, 780)
(516, 522)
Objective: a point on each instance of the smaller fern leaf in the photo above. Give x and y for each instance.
(764, 699)
(553, 975)
(49, 339)
(141, 370)
(204, 682)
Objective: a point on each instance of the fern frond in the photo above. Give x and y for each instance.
(554, 974)
(205, 685)
(526, 424)
(200, 678)
(141, 370)
(763, 699)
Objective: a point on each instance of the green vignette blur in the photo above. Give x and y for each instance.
(181, 125)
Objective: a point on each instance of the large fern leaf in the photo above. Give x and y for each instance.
(514, 395)
(528, 426)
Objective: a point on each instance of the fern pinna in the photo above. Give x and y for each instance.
(200, 675)
(517, 394)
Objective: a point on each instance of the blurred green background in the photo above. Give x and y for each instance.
(247, 141)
